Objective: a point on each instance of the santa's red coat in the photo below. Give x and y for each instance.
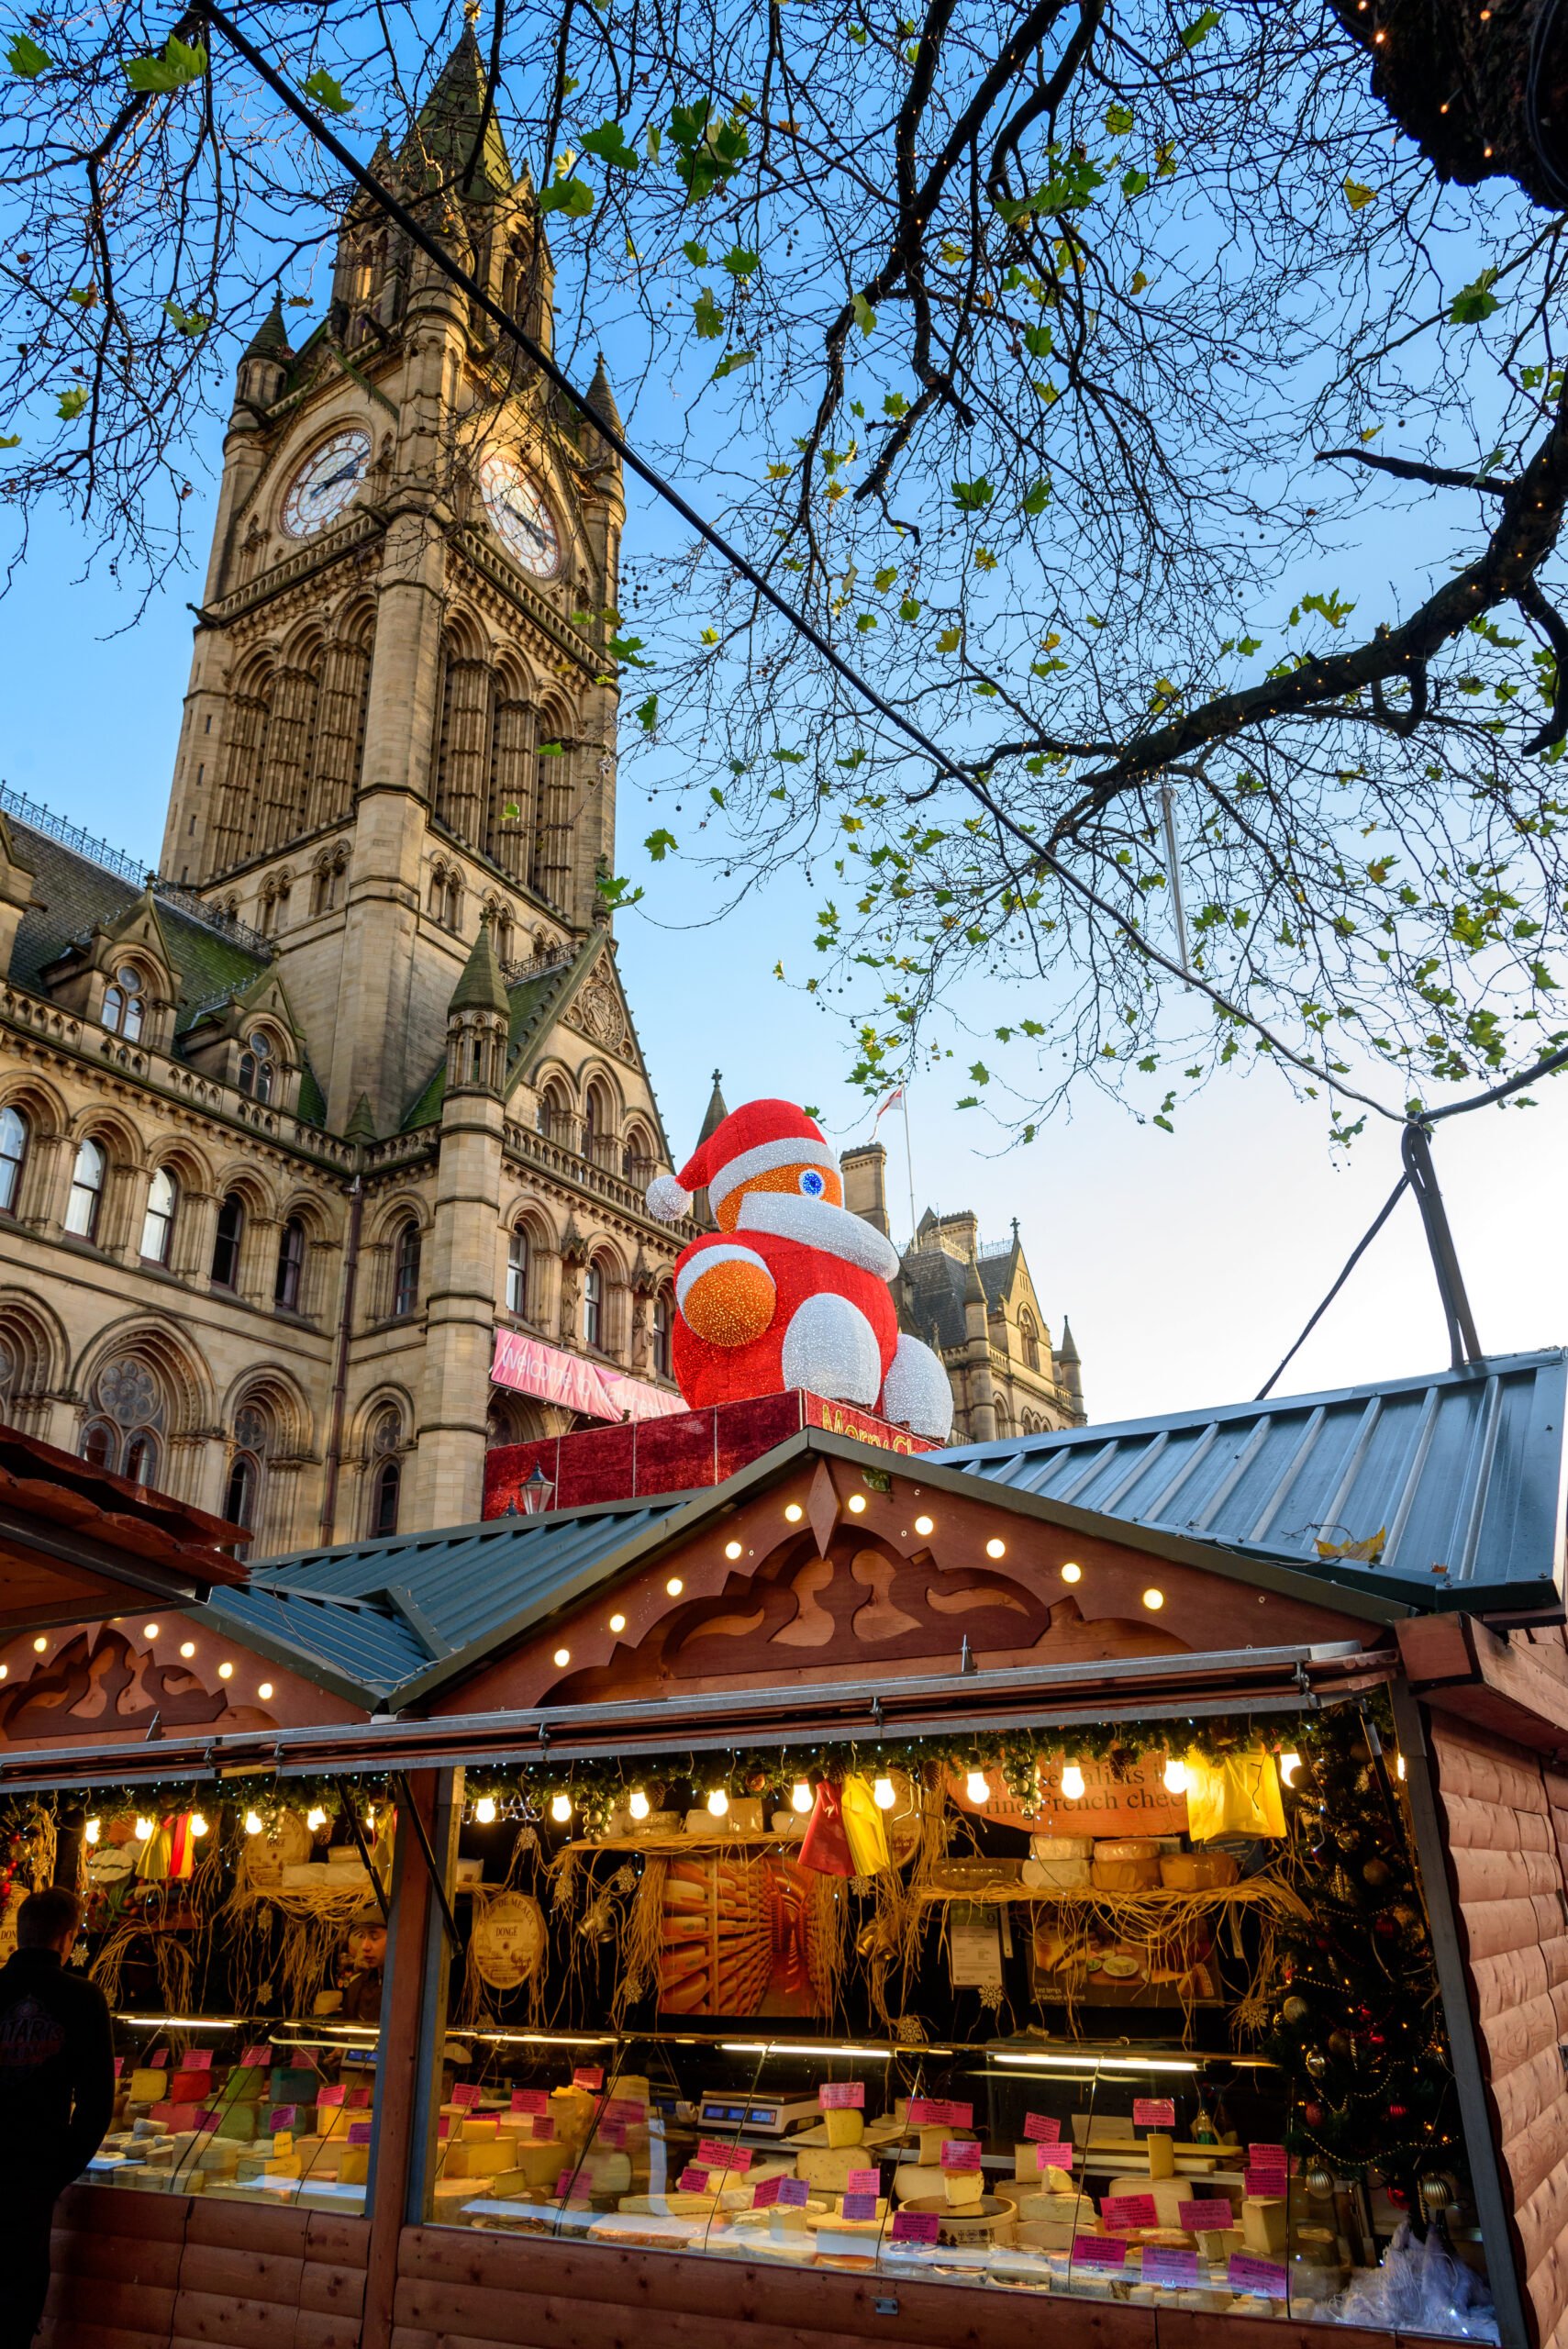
(706, 1373)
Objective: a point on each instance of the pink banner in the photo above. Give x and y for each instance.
(531, 1367)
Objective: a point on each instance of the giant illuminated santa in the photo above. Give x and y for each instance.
(792, 1289)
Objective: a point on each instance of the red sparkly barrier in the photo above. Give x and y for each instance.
(674, 1455)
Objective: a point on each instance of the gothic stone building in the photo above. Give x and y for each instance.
(287, 1133)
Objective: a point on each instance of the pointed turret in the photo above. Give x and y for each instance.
(361, 1127)
(480, 987)
(265, 363)
(1070, 1372)
(601, 399)
(448, 132)
(713, 1118)
(270, 338)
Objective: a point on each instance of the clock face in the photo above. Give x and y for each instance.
(326, 482)
(519, 515)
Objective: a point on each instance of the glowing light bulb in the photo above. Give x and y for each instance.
(857, 1504)
(560, 1809)
(977, 1786)
(1154, 1599)
(995, 1547)
(1073, 1781)
(638, 1806)
(794, 1513)
(187, 1649)
(1399, 1764)
(717, 1802)
(252, 1822)
(150, 1631)
(674, 1586)
(1289, 1764)
(1072, 1572)
(485, 1811)
(1175, 1776)
(93, 1830)
(925, 1525)
(732, 1549)
(39, 1644)
(198, 1824)
(800, 1795)
(617, 1622)
(226, 1672)
(144, 1830)
(885, 1794)
(562, 1658)
(263, 1690)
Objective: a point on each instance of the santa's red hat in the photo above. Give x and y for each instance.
(752, 1141)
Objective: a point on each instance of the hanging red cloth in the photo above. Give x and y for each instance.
(825, 1846)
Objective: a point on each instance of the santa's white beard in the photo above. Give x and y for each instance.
(817, 1223)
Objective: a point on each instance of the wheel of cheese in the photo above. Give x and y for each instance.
(1126, 1847)
(286, 1844)
(1197, 1871)
(1061, 1847)
(508, 1940)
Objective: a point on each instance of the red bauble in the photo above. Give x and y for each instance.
(1385, 1928)
(1376, 2041)
(1397, 2195)
(1398, 2111)
(1313, 2115)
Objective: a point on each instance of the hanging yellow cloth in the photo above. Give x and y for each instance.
(863, 1826)
(1238, 1795)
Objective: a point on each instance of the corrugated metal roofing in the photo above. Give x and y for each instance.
(371, 1648)
(1462, 1471)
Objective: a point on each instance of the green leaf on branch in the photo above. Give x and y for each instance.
(26, 60)
(648, 713)
(949, 639)
(1037, 497)
(1119, 121)
(178, 65)
(972, 496)
(610, 144)
(707, 153)
(739, 261)
(1357, 196)
(71, 403)
(1200, 28)
(1474, 302)
(659, 844)
(190, 322)
(1038, 341)
(730, 360)
(10, 439)
(697, 254)
(628, 650)
(707, 317)
(327, 91)
(84, 296)
(551, 751)
(1133, 183)
(572, 196)
(865, 317)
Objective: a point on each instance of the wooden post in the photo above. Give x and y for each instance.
(413, 2023)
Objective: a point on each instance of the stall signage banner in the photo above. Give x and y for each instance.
(763, 2197)
(713, 2155)
(119, 2065)
(1139, 1803)
(610, 2132)
(207, 2117)
(863, 2181)
(1153, 2112)
(590, 2076)
(1054, 2157)
(1163, 2264)
(914, 2226)
(1099, 2251)
(531, 2100)
(858, 2207)
(794, 2193)
(1124, 2211)
(466, 2093)
(1043, 2127)
(529, 1367)
(359, 2097)
(158, 2060)
(960, 2153)
(842, 2095)
(332, 2096)
(1244, 2273)
(284, 2116)
(1204, 2218)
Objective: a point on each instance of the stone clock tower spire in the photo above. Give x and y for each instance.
(400, 710)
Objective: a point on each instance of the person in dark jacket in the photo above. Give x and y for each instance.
(57, 2096)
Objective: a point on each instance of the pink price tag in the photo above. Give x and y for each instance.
(284, 2116)
(207, 2117)
(842, 2095)
(158, 2060)
(1246, 2274)
(914, 2226)
(863, 2181)
(960, 2153)
(1204, 2218)
(590, 2076)
(1265, 2184)
(254, 2059)
(1054, 2157)
(197, 2059)
(443, 2128)
(1043, 2128)
(360, 2131)
(794, 2193)
(542, 2130)
(712, 2154)
(627, 2109)
(1123, 2211)
(610, 2132)
(858, 2207)
(693, 2181)
(1153, 2112)
(531, 2100)
(763, 2197)
(1164, 2264)
(1099, 2251)
(330, 2096)
(925, 2112)
(119, 2065)
(466, 2093)
(359, 2097)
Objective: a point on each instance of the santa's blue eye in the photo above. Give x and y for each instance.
(811, 1183)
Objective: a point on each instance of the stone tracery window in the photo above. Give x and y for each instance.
(124, 1003)
(386, 1471)
(517, 1272)
(406, 1250)
(128, 1421)
(661, 1334)
(1030, 1336)
(258, 1067)
(226, 1241)
(244, 1487)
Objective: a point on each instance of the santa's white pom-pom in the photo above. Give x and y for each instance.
(667, 1201)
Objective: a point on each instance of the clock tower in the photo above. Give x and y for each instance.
(401, 708)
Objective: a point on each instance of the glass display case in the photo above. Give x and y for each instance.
(1103, 2173)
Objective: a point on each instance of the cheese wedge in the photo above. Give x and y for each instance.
(1161, 2155)
(963, 2187)
(354, 2166)
(606, 2172)
(148, 2088)
(826, 2167)
(1264, 2225)
(845, 2128)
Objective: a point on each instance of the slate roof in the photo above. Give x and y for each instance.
(934, 1283)
(533, 1004)
(449, 124)
(1463, 1471)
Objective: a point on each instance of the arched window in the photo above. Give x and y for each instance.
(239, 1493)
(517, 1272)
(503, 934)
(158, 1222)
(13, 1140)
(124, 1003)
(257, 1067)
(438, 902)
(637, 1159)
(405, 1268)
(1030, 1337)
(593, 1307)
(290, 1267)
(226, 1242)
(661, 1334)
(126, 1420)
(386, 1473)
(597, 1121)
(86, 1202)
(554, 1117)
(247, 1469)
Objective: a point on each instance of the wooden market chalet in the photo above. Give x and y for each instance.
(1264, 1576)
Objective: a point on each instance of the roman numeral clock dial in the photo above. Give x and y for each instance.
(519, 515)
(326, 483)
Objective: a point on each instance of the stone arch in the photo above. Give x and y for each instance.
(139, 1383)
(555, 1115)
(33, 1354)
(267, 1426)
(28, 1181)
(238, 831)
(602, 1111)
(602, 1312)
(524, 1292)
(513, 780)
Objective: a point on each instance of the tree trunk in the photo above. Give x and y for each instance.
(1481, 85)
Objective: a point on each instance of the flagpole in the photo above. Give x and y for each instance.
(909, 1162)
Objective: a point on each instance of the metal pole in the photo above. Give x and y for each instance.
(1416, 1149)
(1173, 859)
